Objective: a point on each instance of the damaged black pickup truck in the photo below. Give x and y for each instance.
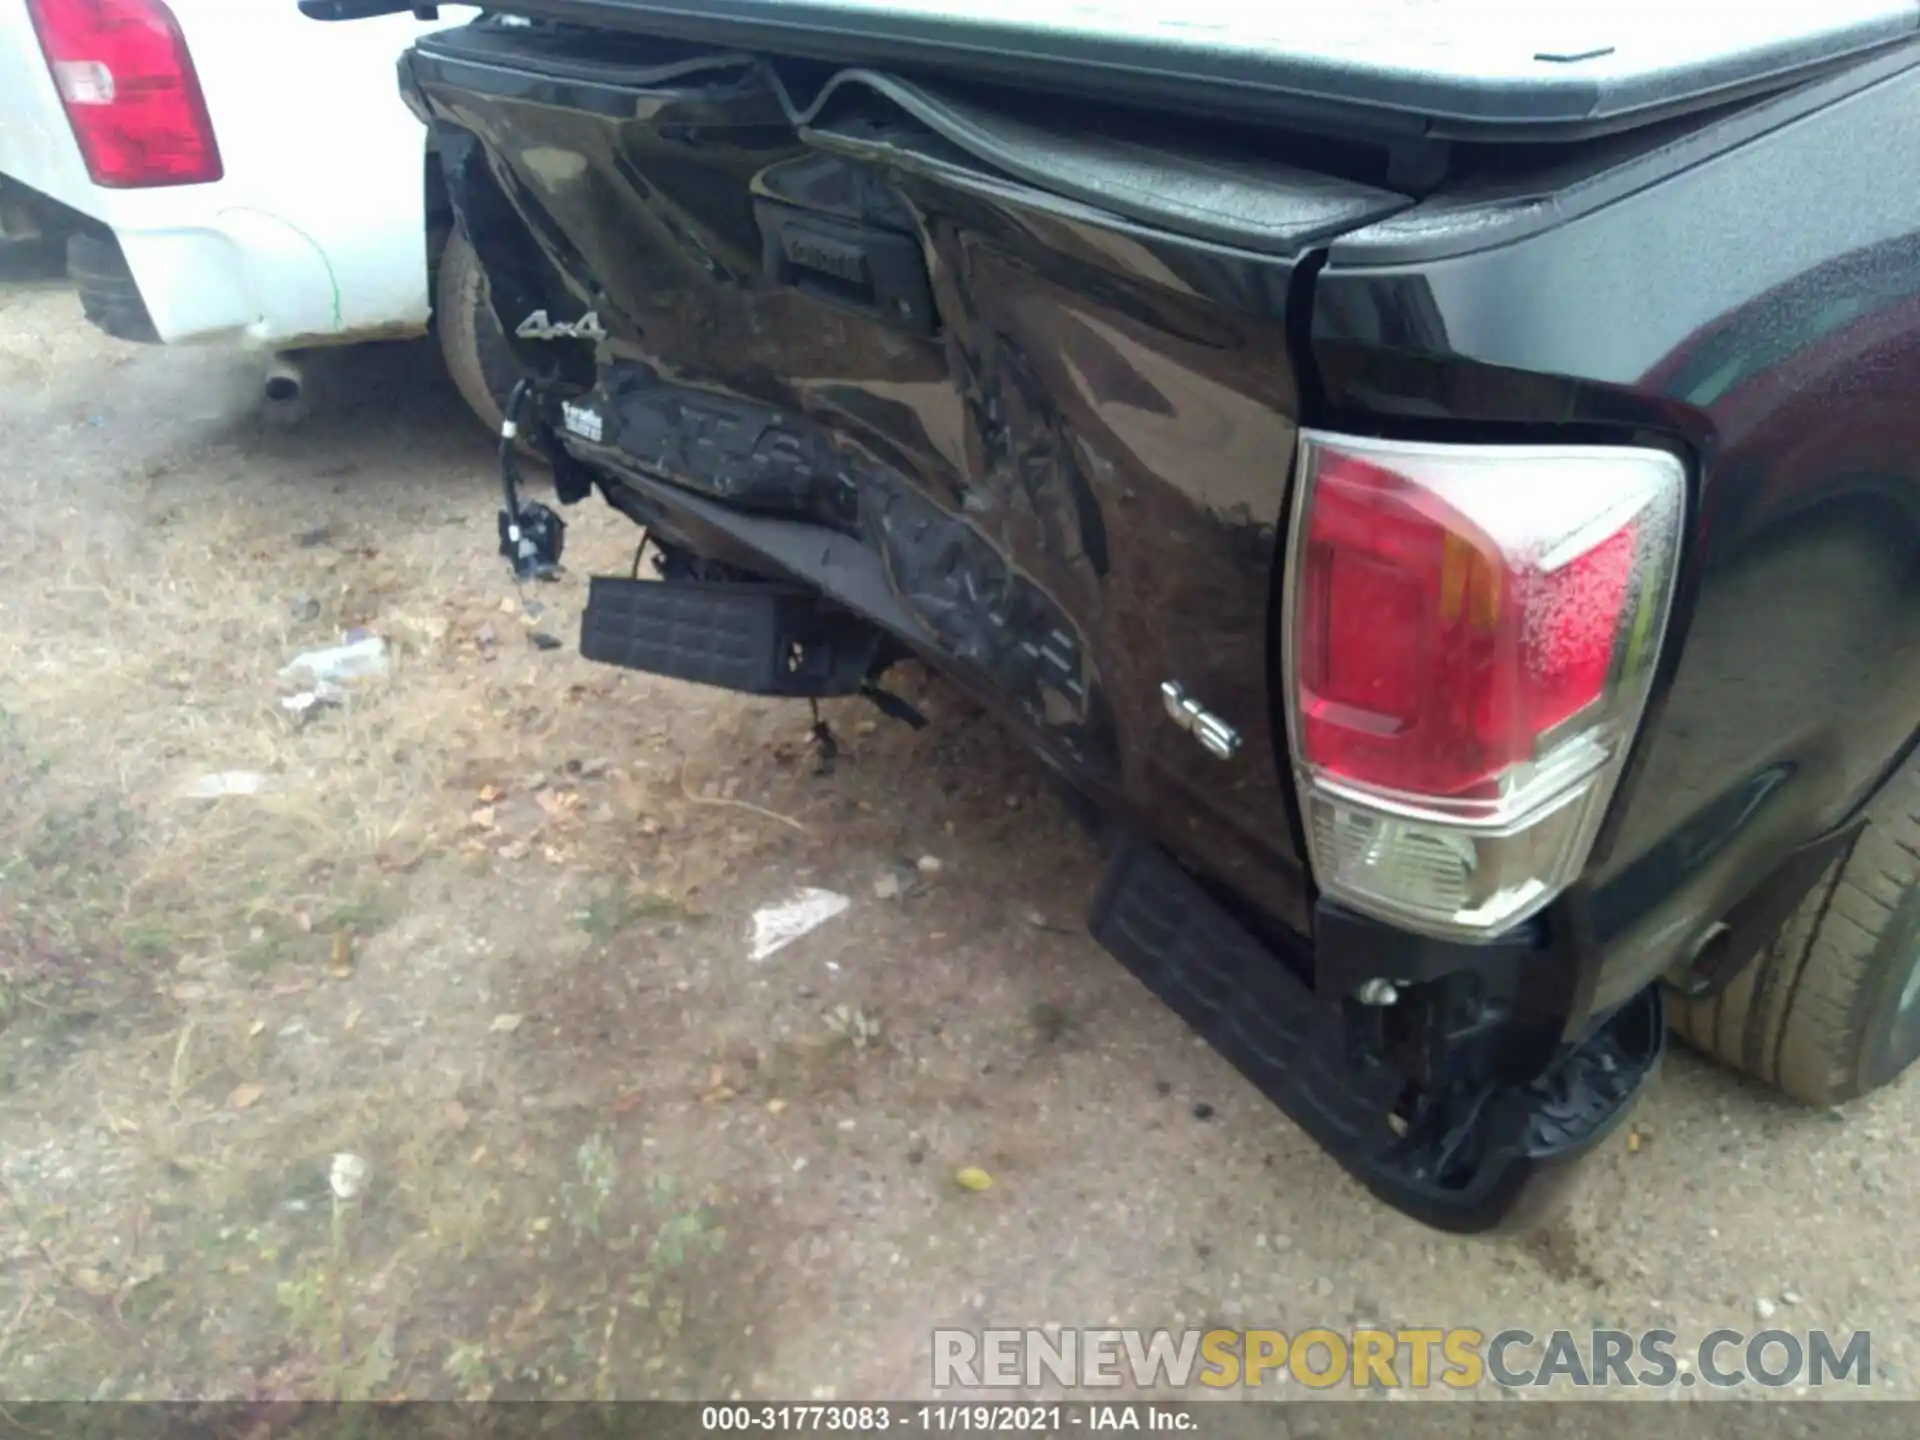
(1443, 476)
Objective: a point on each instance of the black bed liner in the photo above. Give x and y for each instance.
(1443, 68)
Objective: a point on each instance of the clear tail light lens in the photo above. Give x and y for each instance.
(128, 84)
(1469, 636)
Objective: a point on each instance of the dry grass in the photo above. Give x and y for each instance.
(229, 981)
(421, 944)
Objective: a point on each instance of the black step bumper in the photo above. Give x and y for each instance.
(1501, 1165)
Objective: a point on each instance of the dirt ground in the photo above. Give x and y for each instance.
(484, 929)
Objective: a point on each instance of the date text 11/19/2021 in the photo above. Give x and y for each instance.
(950, 1417)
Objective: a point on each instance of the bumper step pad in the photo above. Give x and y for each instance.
(762, 639)
(1245, 1002)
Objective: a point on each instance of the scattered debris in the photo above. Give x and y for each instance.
(243, 1096)
(777, 926)
(1790, 1297)
(1039, 921)
(972, 1177)
(543, 641)
(341, 965)
(687, 790)
(774, 1107)
(718, 1087)
(305, 703)
(304, 609)
(929, 865)
(852, 1023)
(348, 1175)
(227, 782)
(504, 1024)
(319, 535)
(362, 657)
(1202, 1111)
(887, 886)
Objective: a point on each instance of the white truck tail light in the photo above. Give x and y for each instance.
(130, 91)
(1469, 633)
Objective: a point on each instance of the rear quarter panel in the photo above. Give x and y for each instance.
(1086, 464)
(1758, 310)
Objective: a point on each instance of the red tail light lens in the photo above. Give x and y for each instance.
(1429, 659)
(130, 91)
(1468, 646)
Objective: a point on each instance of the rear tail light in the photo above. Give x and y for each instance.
(1469, 637)
(130, 92)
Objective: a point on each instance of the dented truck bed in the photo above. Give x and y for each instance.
(900, 359)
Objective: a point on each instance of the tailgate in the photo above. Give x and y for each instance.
(1037, 363)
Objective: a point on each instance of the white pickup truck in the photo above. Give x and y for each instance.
(230, 173)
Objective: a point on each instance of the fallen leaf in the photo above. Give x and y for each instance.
(93, 1282)
(291, 987)
(972, 1177)
(489, 794)
(244, 1095)
(514, 850)
(352, 1018)
(558, 802)
(341, 966)
(774, 1107)
(625, 1104)
(717, 1087)
(504, 1024)
(541, 1224)
(258, 1028)
(477, 1156)
(482, 817)
(303, 922)
(398, 860)
(148, 1272)
(1634, 1142)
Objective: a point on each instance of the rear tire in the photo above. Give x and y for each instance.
(1831, 1009)
(471, 340)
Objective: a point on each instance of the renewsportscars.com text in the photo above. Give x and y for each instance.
(1458, 1359)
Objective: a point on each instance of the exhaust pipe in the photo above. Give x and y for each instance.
(285, 377)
